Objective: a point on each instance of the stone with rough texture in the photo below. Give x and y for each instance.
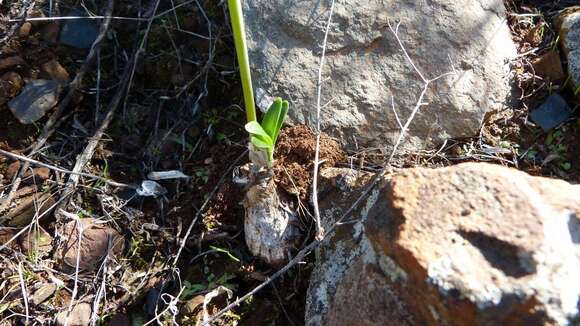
(366, 68)
(80, 315)
(568, 24)
(43, 293)
(37, 97)
(97, 241)
(472, 244)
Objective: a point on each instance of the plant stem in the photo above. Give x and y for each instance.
(237, 19)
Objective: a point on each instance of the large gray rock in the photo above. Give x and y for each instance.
(365, 65)
(472, 244)
(568, 24)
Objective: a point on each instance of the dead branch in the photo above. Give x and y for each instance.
(319, 228)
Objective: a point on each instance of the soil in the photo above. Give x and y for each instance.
(183, 112)
(295, 153)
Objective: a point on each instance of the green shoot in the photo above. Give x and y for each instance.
(264, 136)
(237, 18)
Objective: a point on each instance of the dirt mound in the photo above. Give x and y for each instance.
(294, 156)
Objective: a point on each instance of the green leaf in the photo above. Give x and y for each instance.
(566, 166)
(281, 118)
(258, 143)
(270, 121)
(258, 132)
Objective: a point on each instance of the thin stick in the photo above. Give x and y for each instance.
(61, 170)
(24, 292)
(319, 228)
(89, 150)
(48, 19)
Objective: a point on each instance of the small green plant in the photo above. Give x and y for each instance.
(264, 136)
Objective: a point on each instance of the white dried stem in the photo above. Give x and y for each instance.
(319, 228)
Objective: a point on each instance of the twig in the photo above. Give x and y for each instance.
(89, 150)
(49, 19)
(319, 228)
(61, 170)
(24, 292)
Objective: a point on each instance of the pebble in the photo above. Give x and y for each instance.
(25, 30)
(42, 294)
(553, 112)
(54, 70)
(78, 33)
(37, 97)
(79, 316)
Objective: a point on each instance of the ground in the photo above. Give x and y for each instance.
(182, 110)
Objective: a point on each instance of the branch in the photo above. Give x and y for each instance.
(319, 228)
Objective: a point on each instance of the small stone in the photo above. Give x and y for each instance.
(25, 30)
(53, 70)
(36, 242)
(28, 207)
(549, 66)
(78, 33)
(35, 100)
(553, 112)
(41, 174)
(79, 316)
(12, 170)
(6, 234)
(11, 62)
(42, 294)
(97, 241)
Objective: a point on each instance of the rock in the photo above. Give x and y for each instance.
(36, 176)
(80, 315)
(365, 66)
(35, 100)
(10, 85)
(549, 67)
(6, 234)
(28, 205)
(568, 25)
(53, 70)
(11, 62)
(46, 291)
(97, 241)
(25, 29)
(36, 242)
(471, 244)
(78, 33)
(12, 169)
(553, 112)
